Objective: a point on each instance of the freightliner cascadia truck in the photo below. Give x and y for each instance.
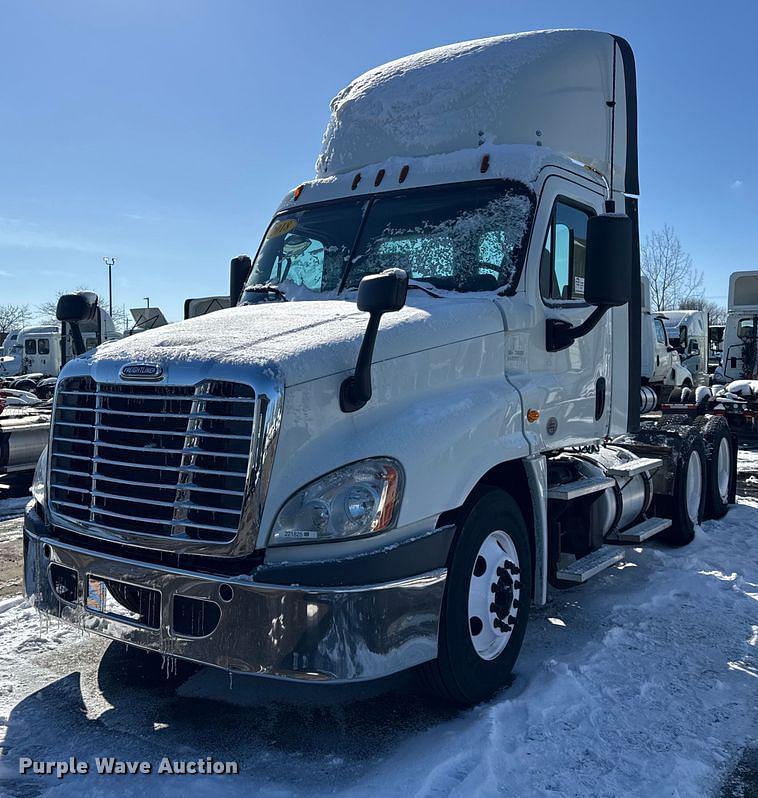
(421, 410)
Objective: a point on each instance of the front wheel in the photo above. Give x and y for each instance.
(486, 604)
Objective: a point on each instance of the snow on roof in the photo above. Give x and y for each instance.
(547, 88)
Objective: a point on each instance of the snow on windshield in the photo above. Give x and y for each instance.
(465, 237)
(475, 250)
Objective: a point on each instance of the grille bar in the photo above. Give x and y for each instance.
(190, 447)
(164, 486)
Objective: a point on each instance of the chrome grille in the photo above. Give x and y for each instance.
(168, 461)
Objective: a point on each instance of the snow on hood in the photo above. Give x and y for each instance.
(306, 340)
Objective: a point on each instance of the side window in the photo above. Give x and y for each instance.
(563, 255)
(43, 346)
(660, 331)
(745, 328)
(30, 346)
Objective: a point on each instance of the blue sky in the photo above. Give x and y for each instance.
(166, 132)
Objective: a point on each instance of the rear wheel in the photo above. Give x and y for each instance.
(685, 492)
(687, 504)
(720, 469)
(486, 604)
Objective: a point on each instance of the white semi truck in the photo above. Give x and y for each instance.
(739, 358)
(43, 350)
(389, 474)
(662, 367)
(688, 332)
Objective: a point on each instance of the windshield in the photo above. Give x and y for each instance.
(466, 238)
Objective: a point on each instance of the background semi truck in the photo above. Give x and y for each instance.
(389, 473)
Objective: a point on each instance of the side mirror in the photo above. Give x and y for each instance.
(383, 293)
(239, 271)
(73, 308)
(377, 294)
(610, 260)
(608, 270)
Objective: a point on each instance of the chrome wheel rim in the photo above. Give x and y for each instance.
(694, 486)
(723, 467)
(493, 595)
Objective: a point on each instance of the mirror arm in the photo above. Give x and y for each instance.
(560, 335)
(78, 340)
(355, 390)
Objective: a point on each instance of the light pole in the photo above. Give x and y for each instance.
(110, 262)
(147, 299)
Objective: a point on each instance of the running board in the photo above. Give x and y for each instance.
(595, 562)
(579, 487)
(644, 530)
(634, 467)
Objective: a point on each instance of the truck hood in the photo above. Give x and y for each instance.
(306, 340)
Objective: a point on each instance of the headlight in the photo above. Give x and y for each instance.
(359, 499)
(39, 482)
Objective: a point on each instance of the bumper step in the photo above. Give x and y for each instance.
(644, 530)
(595, 562)
(579, 487)
(634, 467)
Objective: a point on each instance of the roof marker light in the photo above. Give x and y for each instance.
(403, 174)
(356, 180)
(379, 177)
(485, 164)
(297, 192)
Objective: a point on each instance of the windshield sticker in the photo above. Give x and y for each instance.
(282, 227)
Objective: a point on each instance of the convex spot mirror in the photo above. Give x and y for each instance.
(81, 306)
(610, 259)
(383, 293)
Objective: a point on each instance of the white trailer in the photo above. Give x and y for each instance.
(390, 474)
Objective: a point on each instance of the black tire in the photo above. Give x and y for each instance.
(716, 434)
(681, 436)
(682, 530)
(460, 675)
(675, 397)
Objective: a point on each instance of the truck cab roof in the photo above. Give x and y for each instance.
(522, 100)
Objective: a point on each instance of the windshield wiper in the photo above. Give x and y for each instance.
(411, 284)
(266, 288)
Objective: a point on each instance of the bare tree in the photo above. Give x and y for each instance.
(12, 316)
(716, 312)
(673, 278)
(121, 317)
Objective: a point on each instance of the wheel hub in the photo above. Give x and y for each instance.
(494, 595)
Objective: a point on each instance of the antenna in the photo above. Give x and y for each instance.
(610, 204)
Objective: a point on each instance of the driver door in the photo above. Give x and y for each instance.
(566, 394)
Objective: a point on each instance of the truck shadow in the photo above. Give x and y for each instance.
(268, 728)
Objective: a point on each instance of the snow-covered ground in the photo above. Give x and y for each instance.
(642, 683)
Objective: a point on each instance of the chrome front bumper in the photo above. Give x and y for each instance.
(335, 634)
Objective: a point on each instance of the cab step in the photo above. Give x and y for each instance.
(595, 562)
(634, 467)
(644, 530)
(579, 487)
